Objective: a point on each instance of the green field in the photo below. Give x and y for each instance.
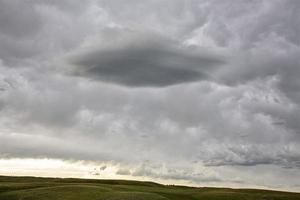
(30, 188)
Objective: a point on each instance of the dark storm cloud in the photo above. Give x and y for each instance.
(149, 62)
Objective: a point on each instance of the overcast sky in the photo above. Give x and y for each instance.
(201, 91)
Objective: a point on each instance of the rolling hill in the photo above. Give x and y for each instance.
(34, 188)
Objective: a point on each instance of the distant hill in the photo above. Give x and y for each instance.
(34, 188)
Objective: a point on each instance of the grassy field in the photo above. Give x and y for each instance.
(30, 188)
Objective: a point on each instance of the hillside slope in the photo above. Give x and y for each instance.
(31, 188)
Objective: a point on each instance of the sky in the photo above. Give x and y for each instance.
(194, 92)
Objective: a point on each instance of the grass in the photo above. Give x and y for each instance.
(32, 188)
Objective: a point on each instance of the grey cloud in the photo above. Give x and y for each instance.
(31, 30)
(176, 19)
(253, 155)
(266, 63)
(103, 167)
(123, 171)
(18, 99)
(18, 18)
(149, 62)
(73, 6)
(277, 18)
(19, 23)
(269, 43)
(219, 32)
(121, 115)
(170, 173)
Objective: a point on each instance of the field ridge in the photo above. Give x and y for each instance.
(40, 188)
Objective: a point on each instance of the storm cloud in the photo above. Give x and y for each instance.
(202, 92)
(146, 61)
